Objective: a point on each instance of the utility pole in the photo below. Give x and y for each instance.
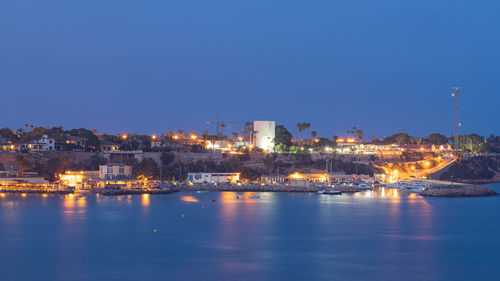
(457, 124)
(217, 134)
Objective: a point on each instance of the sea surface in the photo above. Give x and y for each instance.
(373, 235)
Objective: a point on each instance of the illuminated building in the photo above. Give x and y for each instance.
(8, 147)
(43, 144)
(264, 135)
(115, 171)
(213, 177)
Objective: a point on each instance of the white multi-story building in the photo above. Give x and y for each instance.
(264, 134)
(43, 144)
(213, 177)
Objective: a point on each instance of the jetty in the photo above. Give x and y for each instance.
(453, 189)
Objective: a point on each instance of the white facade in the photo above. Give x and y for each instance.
(49, 144)
(43, 144)
(264, 134)
(213, 177)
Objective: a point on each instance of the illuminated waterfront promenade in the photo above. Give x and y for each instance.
(384, 234)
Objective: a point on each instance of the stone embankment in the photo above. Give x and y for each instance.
(113, 192)
(36, 191)
(262, 188)
(448, 189)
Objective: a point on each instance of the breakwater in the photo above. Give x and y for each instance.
(114, 192)
(263, 188)
(445, 189)
(35, 191)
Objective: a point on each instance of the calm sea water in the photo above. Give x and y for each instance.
(380, 235)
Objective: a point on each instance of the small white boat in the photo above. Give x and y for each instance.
(364, 185)
(254, 196)
(330, 192)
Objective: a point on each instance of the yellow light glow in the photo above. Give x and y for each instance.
(193, 137)
(296, 175)
(351, 140)
(23, 194)
(316, 140)
(395, 193)
(153, 137)
(2, 194)
(175, 137)
(124, 136)
(145, 199)
(190, 199)
(240, 139)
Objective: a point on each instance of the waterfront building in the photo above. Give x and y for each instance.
(115, 171)
(264, 134)
(213, 177)
(77, 179)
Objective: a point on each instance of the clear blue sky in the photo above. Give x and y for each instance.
(151, 66)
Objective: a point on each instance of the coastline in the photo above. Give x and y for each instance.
(454, 189)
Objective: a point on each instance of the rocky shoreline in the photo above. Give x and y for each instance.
(115, 192)
(37, 191)
(457, 190)
(263, 188)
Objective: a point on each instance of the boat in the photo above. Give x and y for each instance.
(330, 191)
(364, 185)
(254, 196)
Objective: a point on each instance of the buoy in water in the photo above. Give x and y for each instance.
(213, 200)
(155, 230)
(182, 216)
(237, 197)
(203, 207)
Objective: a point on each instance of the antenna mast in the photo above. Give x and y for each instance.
(457, 124)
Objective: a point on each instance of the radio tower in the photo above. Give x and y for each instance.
(457, 124)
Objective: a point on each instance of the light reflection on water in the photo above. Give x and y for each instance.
(380, 234)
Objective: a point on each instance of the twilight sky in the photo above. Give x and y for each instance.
(150, 66)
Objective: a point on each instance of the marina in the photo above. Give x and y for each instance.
(382, 233)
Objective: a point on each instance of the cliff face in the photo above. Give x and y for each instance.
(480, 169)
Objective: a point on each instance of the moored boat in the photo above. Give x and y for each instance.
(330, 191)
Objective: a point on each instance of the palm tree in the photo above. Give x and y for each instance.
(299, 128)
(180, 132)
(314, 134)
(222, 126)
(20, 132)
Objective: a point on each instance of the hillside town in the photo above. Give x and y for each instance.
(262, 153)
